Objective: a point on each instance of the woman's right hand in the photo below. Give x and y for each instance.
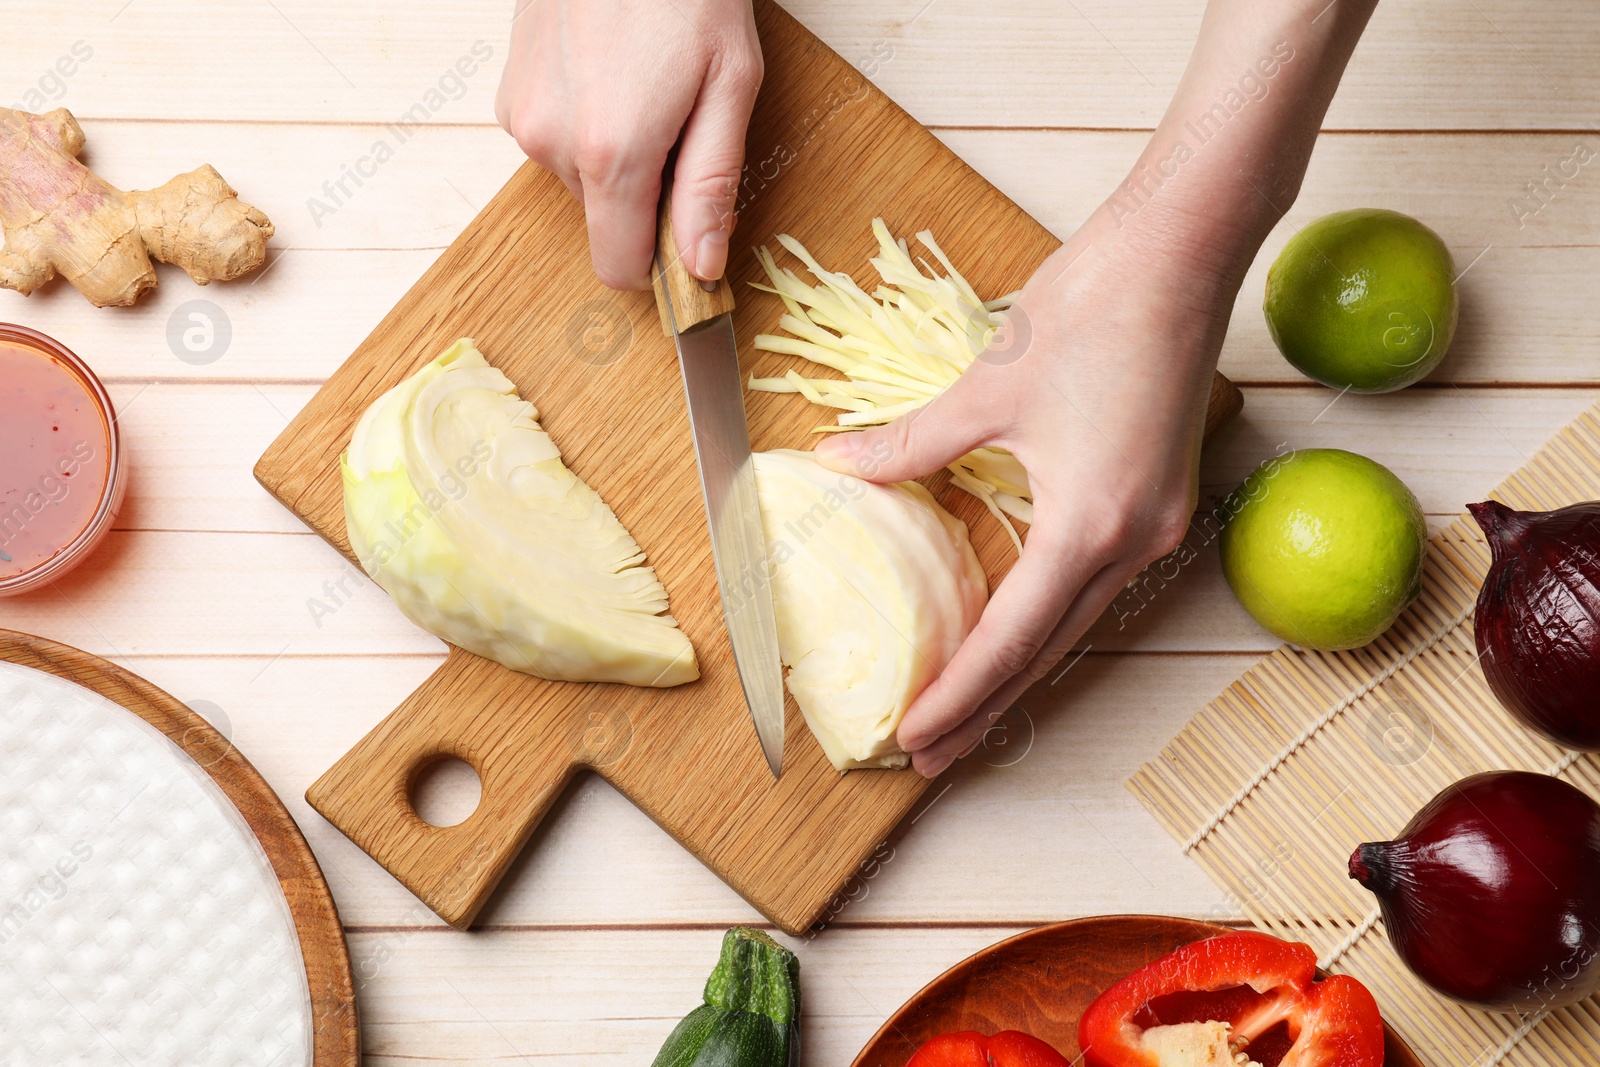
(599, 91)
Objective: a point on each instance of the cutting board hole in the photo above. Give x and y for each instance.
(446, 792)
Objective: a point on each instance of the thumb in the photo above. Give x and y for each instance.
(706, 180)
(936, 434)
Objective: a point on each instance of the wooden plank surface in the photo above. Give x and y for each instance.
(1527, 320)
(204, 562)
(968, 855)
(197, 441)
(1490, 64)
(584, 968)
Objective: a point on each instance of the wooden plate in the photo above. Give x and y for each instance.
(335, 1036)
(1040, 982)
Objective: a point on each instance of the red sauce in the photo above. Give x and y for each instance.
(55, 457)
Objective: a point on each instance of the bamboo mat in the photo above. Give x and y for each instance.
(1309, 754)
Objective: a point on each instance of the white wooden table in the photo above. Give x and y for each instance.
(603, 932)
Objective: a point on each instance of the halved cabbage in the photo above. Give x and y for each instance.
(458, 505)
(875, 587)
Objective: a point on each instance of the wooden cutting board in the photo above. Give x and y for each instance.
(827, 152)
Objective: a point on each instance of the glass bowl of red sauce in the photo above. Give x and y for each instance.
(62, 473)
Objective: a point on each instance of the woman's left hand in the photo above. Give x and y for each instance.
(1098, 384)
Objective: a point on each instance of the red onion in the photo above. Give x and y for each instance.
(1491, 894)
(1538, 624)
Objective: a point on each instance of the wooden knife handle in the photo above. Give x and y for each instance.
(692, 302)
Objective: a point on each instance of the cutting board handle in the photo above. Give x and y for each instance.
(681, 298)
(1224, 402)
(523, 760)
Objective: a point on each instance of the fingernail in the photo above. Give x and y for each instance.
(971, 748)
(937, 767)
(839, 445)
(711, 255)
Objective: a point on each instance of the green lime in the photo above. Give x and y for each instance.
(1324, 547)
(1363, 300)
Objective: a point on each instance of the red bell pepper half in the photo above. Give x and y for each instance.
(1266, 989)
(968, 1048)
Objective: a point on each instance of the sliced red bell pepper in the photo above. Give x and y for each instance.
(968, 1048)
(1254, 983)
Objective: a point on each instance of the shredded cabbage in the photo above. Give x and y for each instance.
(898, 348)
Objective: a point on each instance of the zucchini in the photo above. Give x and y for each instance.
(751, 1014)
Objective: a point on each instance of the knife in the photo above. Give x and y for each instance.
(698, 316)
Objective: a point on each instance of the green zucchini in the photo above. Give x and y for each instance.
(751, 1014)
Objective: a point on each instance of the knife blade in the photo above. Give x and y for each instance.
(700, 322)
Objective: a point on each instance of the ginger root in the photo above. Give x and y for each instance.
(59, 217)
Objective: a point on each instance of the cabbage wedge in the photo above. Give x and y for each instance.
(875, 587)
(458, 505)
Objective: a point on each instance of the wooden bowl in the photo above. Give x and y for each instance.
(1040, 982)
(336, 1036)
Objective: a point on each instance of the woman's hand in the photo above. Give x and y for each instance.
(1098, 384)
(598, 91)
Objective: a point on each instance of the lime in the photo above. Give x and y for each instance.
(1363, 300)
(1324, 547)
